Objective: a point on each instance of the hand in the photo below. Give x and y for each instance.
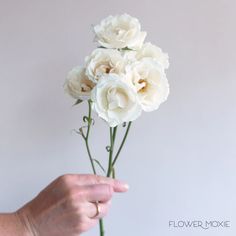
(66, 206)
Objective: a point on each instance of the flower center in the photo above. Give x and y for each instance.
(116, 99)
(142, 85)
(86, 88)
(107, 70)
(103, 69)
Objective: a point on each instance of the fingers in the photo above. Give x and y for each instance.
(97, 192)
(91, 210)
(87, 179)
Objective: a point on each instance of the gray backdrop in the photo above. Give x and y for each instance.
(179, 161)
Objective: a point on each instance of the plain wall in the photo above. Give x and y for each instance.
(179, 161)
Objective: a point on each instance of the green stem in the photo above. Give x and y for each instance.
(89, 121)
(90, 158)
(112, 143)
(122, 144)
(101, 227)
(111, 162)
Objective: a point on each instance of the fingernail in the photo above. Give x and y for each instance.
(121, 185)
(126, 186)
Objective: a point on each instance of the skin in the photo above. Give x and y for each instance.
(65, 207)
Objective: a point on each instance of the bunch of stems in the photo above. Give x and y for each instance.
(112, 158)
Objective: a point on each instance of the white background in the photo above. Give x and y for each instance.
(179, 161)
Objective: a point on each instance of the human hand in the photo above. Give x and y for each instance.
(67, 206)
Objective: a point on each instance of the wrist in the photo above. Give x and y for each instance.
(25, 222)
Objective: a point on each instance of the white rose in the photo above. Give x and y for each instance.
(77, 84)
(149, 79)
(104, 61)
(115, 101)
(119, 32)
(149, 50)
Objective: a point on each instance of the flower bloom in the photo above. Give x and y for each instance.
(149, 79)
(104, 61)
(119, 32)
(149, 50)
(77, 84)
(115, 101)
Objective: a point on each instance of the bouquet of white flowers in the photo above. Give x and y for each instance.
(121, 78)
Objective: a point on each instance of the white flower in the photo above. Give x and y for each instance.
(151, 51)
(77, 84)
(104, 61)
(149, 79)
(119, 32)
(115, 101)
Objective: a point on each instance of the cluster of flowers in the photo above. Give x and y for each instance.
(123, 76)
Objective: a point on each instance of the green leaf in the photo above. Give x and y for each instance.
(99, 164)
(78, 102)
